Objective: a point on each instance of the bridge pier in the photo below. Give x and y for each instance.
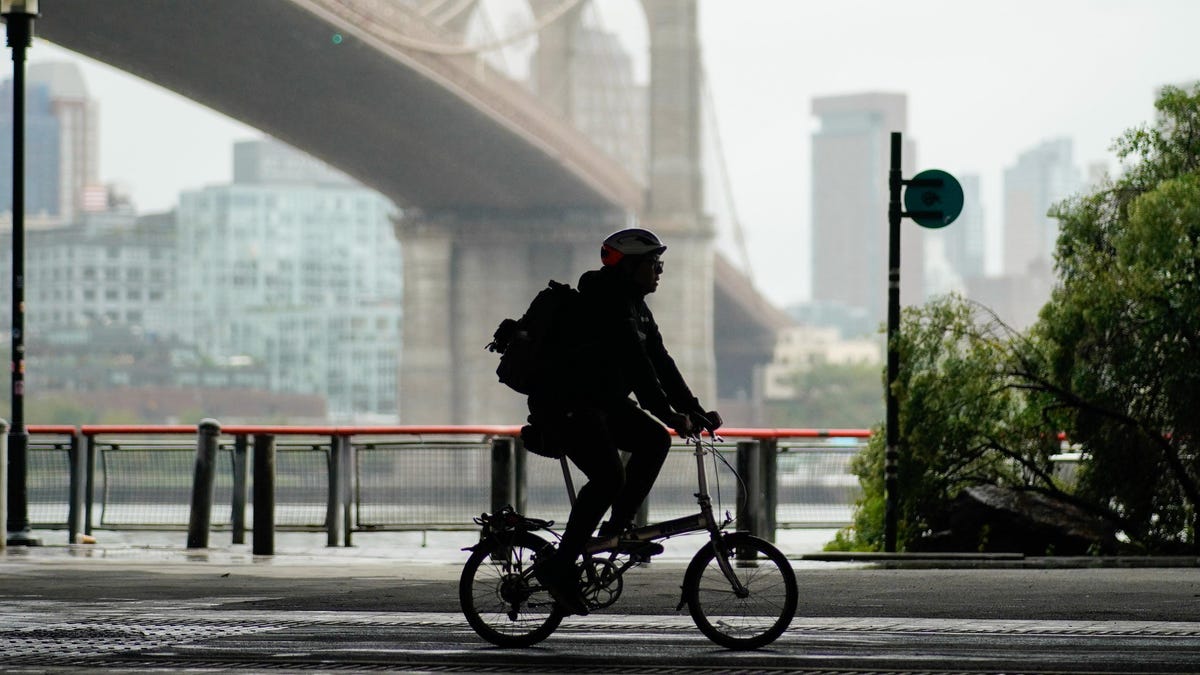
(683, 305)
(465, 271)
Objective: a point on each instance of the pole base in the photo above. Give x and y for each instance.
(23, 538)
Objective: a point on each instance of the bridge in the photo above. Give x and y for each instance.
(499, 191)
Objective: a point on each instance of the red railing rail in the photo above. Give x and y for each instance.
(406, 430)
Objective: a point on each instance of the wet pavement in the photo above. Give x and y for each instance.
(121, 607)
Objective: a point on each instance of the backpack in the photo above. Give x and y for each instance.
(529, 346)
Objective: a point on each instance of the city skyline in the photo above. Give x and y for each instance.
(971, 95)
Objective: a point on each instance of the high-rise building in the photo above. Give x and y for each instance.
(295, 267)
(850, 162)
(43, 156)
(963, 241)
(1042, 177)
(62, 143)
(76, 112)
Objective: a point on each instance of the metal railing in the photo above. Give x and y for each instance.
(343, 480)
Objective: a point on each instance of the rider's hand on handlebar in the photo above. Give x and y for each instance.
(682, 424)
(709, 421)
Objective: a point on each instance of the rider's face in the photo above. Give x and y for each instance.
(646, 273)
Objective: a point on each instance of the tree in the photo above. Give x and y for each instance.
(1113, 362)
(1122, 331)
(966, 419)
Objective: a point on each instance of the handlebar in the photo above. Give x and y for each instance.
(710, 422)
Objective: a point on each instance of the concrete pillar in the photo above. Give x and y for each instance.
(683, 304)
(464, 272)
(675, 171)
(552, 62)
(426, 390)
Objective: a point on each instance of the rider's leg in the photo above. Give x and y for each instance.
(647, 442)
(595, 454)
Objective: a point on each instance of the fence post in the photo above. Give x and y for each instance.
(78, 481)
(200, 515)
(349, 479)
(503, 483)
(521, 486)
(3, 483)
(237, 518)
(264, 493)
(333, 510)
(769, 449)
(750, 490)
(89, 484)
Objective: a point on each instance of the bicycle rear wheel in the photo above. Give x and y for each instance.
(503, 603)
(756, 615)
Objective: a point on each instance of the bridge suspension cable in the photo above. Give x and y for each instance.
(447, 49)
(444, 16)
(739, 236)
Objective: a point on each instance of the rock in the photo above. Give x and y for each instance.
(993, 519)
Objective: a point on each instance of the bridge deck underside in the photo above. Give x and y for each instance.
(274, 65)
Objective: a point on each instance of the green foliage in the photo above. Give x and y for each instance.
(1123, 333)
(965, 419)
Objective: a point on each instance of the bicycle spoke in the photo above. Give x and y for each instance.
(501, 600)
(751, 612)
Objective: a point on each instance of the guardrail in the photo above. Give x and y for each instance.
(343, 480)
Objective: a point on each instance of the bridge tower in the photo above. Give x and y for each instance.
(683, 305)
(465, 269)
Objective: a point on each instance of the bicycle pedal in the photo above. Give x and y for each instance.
(641, 551)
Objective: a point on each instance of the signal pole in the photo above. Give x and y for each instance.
(934, 199)
(19, 16)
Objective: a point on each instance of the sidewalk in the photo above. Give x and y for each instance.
(394, 547)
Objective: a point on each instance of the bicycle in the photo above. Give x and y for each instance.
(739, 589)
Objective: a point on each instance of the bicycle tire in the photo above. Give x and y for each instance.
(504, 605)
(749, 622)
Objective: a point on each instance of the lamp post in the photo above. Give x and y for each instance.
(19, 16)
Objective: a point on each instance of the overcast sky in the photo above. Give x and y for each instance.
(985, 82)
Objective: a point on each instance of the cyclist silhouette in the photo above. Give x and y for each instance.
(589, 411)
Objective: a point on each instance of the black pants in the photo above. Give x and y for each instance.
(595, 436)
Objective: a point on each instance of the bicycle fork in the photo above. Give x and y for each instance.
(707, 521)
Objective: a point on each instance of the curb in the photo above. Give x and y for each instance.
(999, 560)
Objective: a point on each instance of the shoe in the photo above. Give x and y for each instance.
(639, 551)
(561, 578)
(608, 529)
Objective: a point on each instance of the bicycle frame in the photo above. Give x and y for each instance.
(699, 522)
(705, 520)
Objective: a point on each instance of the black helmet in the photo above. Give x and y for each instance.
(634, 241)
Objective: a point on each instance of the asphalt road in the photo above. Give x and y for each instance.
(216, 612)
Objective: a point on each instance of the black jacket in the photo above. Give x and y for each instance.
(622, 350)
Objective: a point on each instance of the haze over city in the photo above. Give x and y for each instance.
(984, 83)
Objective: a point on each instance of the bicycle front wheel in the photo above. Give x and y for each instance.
(500, 598)
(753, 612)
